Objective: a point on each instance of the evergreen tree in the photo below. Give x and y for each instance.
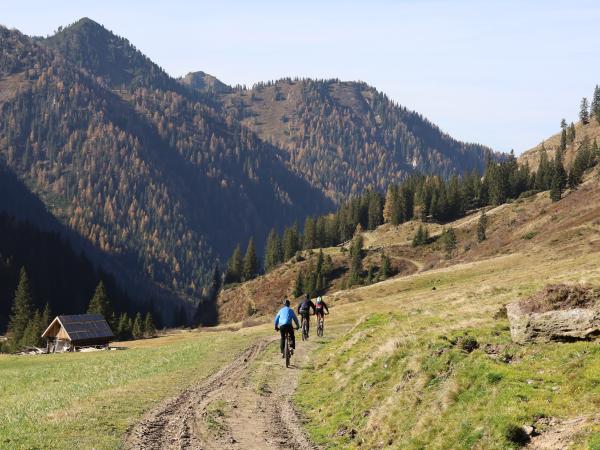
(149, 328)
(273, 251)
(124, 327)
(309, 234)
(584, 111)
(100, 303)
(299, 285)
(482, 227)
(21, 312)
(32, 336)
(559, 178)
(250, 269)
(138, 327)
(355, 260)
(235, 266)
(572, 133)
(583, 160)
(596, 103)
(384, 269)
(290, 242)
(310, 281)
(421, 236)
(375, 212)
(563, 124)
(450, 242)
(563, 139)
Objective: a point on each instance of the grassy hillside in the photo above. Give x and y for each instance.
(88, 400)
(399, 371)
(396, 370)
(532, 156)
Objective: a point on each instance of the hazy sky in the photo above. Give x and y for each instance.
(502, 73)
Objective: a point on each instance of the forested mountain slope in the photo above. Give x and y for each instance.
(346, 136)
(154, 176)
(167, 175)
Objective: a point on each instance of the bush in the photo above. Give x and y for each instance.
(494, 377)
(530, 193)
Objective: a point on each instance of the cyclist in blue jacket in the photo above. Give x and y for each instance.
(283, 323)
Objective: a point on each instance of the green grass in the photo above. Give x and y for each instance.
(402, 372)
(88, 400)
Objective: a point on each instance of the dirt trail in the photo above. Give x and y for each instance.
(228, 410)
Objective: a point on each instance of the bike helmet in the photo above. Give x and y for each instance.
(286, 302)
(319, 300)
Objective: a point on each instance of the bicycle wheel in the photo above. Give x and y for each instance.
(304, 329)
(287, 349)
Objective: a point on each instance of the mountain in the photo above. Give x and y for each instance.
(165, 176)
(344, 137)
(165, 192)
(206, 83)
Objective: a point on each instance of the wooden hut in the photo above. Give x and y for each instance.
(66, 333)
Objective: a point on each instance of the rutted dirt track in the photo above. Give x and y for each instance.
(228, 411)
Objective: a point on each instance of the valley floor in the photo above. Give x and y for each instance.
(419, 361)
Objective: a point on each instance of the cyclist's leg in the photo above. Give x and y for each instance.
(292, 338)
(282, 330)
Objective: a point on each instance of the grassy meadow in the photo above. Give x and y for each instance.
(88, 400)
(397, 368)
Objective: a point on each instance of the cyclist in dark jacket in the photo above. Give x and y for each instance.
(283, 323)
(304, 310)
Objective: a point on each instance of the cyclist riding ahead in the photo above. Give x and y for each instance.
(304, 310)
(320, 310)
(283, 323)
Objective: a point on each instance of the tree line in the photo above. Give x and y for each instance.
(27, 323)
(426, 198)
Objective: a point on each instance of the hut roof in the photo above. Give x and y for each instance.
(82, 327)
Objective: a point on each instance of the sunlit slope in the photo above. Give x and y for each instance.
(396, 368)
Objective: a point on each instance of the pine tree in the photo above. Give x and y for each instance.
(290, 242)
(138, 327)
(149, 328)
(32, 336)
(559, 178)
(450, 241)
(482, 227)
(384, 269)
(572, 133)
(273, 251)
(310, 281)
(355, 260)
(298, 286)
(250, 269)
(124, 327)
(584, 111)
(100, 303)
(21, 312)
(596, 103)
(374, 211)
(563, 139)
(234, 266)
(309, 234)
(563, 124)
(421, 236)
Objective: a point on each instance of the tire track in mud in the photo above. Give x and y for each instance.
(225, 411)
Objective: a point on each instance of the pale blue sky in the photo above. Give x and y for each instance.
(502, 73)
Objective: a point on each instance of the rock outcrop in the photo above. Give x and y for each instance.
(561, 320)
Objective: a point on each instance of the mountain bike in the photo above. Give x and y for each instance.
(287, 349)
(320, 325)
(305, 325)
